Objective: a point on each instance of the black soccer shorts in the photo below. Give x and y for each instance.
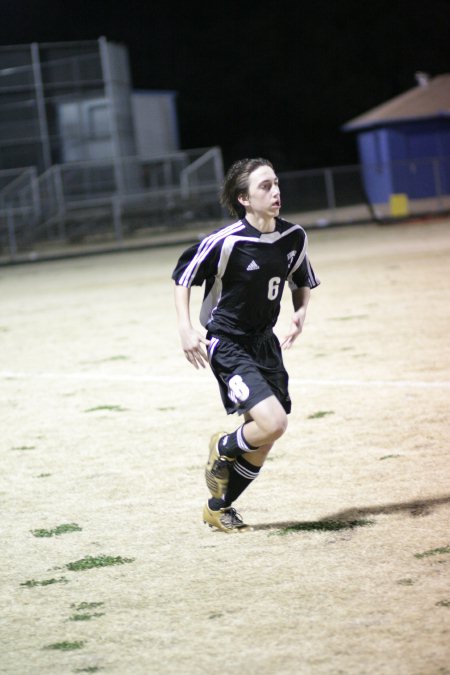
(248, 370)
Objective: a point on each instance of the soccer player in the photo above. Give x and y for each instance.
(244, 267)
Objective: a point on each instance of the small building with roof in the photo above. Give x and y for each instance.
(404, 143)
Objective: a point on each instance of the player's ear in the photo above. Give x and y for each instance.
(243, 199)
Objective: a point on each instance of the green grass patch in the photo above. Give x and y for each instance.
(88, 669)
(405, 582)
(389, 457)
(85, 617)
(83, 611)
(443, 603)
(319, 414)
(24, 447)
(44, 582)
(324, 526)
(57, 531)
(434, 551)
(43, 475)
(90, 562)
(66, 646)
(86, 605)
(109, 408)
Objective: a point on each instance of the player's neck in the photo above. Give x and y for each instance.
(261, 223)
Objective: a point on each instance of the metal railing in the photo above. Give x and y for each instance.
(367, 193)
(79, 200)
(82, 201)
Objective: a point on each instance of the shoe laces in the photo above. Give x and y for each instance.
(231, 518)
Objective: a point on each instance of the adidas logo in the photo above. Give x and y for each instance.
(252, 266)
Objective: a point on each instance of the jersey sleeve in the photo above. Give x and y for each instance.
(304, 275)
(196, 264)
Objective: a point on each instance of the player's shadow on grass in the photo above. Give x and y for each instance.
(358, 516)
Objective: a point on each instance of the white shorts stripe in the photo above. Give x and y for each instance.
(212, 345)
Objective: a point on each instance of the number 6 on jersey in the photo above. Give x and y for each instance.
(273, 288)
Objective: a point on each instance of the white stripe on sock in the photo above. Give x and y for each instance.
(241, 440)
(243, 471)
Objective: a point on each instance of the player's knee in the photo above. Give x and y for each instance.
(271, 419)
(282, 425)
(277, 425)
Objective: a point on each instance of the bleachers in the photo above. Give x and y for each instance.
(83, 200)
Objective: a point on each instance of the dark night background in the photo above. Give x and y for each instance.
(271, 78)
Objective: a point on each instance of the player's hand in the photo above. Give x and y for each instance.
(194, 351)
(296, 328)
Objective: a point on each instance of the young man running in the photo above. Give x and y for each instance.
(244, 267)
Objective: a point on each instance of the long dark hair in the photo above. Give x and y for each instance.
(236, 183)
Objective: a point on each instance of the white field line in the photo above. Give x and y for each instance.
(180, 379)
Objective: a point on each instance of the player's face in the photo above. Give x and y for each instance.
(263, 196)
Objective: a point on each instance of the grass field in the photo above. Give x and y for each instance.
(105, 563)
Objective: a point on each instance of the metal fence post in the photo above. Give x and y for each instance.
(35, 195)
(11, 233)
(59, 193)
(117, 218)
(329, 187)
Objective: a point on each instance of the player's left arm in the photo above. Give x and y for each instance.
(300, 300)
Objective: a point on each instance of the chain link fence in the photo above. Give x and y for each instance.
(81, 203)
(374, 193)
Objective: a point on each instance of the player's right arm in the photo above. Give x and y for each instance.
(191, 340)
(196, 264)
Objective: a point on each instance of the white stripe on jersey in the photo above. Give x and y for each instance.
(311, 275)
(270, 237)
(227, 248)
(300, 257)
(204, 248)
(265, 238)
(211, 301)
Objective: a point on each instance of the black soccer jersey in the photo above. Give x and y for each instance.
(244, 271)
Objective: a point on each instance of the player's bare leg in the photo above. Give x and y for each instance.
(264, 424)
(252, 441)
